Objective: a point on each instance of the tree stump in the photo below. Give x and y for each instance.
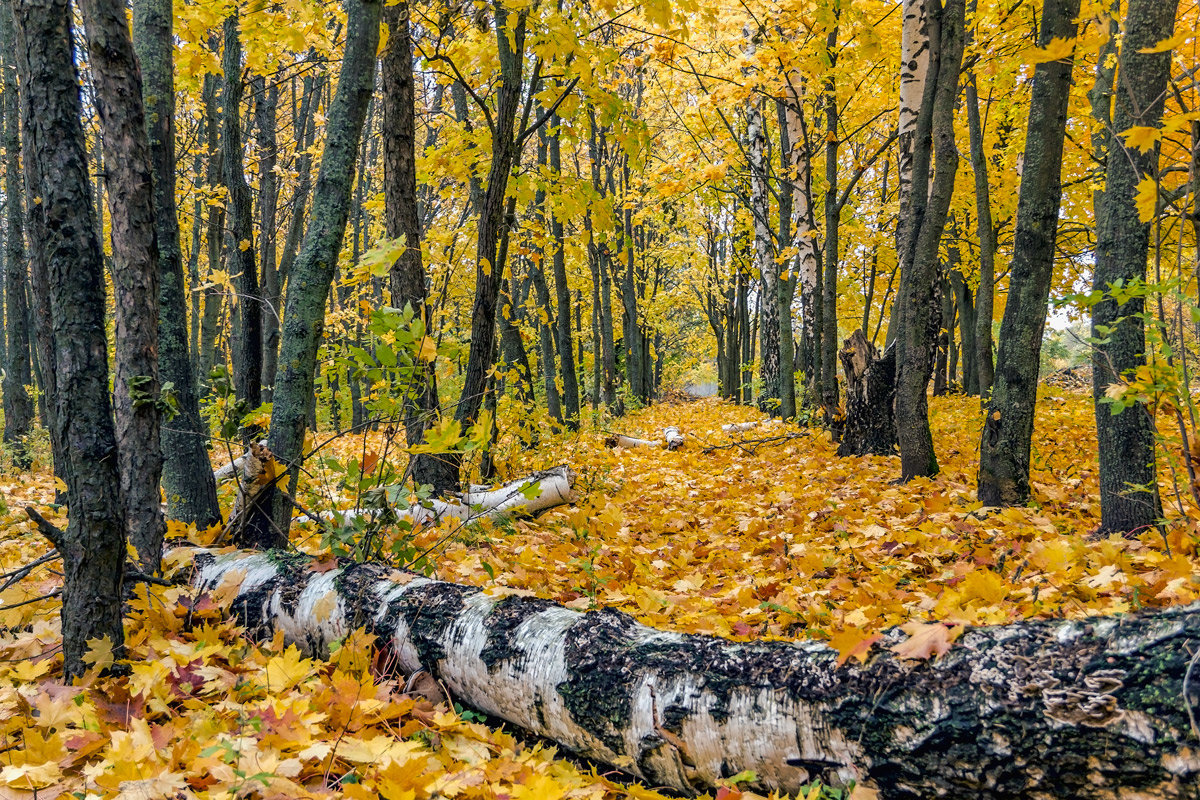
(870, 418)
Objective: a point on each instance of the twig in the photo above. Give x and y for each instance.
(55, 593)
(22, 572)
(1187, 703)
(751, 445)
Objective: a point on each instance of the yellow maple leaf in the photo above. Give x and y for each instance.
(853, 643)
(428, 351)
(926, 640)
(1146, 199)
(1141, 137)
(1172, 42)
(99, 653)
(287, 670)
(1058, 49)
(984, 585)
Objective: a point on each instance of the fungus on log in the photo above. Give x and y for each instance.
(1099, 707)
(870, 421)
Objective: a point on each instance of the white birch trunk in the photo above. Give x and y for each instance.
(802, 214)
(1090, 708)
(914, 71)
(673, 437)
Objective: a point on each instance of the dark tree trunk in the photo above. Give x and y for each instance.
(305, 136)
(1095, 708)
(870, 425)
(546, 319)
(787, 287)
(489, 271)
(312, 274)
(239, 247)
(402, 220)
(632, 330)
(919, 321)
(1127, 439)
(966, 331)
(562, 292)
(187, 473)
(135, 271)
(18, 405)
(829, 318)
(93, 545)
(214, 238)
(985, 293)
(1008, 428)
(266, 103)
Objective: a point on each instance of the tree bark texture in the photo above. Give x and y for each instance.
(209, 356)
(401, 219)
(18, 369)
(1008, 428)
(829, 318)
(763, 250)
(266, 105)
(916, 53)
(488, 269)
(186, 473)
(562, 291)
(985, 293)
(1126, 440)
(239, 246)
(919, 321)
(135, 270)
(870, 426)
(1088, 708)
(312, 274)
(93, 545)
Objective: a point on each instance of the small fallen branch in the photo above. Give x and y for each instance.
(751, 445)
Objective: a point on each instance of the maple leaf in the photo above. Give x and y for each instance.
(925, 640)
(286, 670)
(853, 643)
(99, 652)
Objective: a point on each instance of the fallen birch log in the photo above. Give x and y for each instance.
(673, 437)
(739, 427)
(1097, 708)
(528, 495)
(629, 442)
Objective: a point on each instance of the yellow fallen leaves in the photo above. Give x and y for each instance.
(777, 539)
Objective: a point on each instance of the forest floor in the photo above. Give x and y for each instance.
(760, 534)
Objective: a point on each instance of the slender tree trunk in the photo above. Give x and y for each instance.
(807, 264)
(266, 102)
(966, 331)
(985, 294)
(306, 135)
(634, 365)
(93, 545)
(763, 253)
(187, 472)
(489, 271)
(787, 287)
(135, 272)
(829, 318)
(919, 321)
(562, 292)
(18, 405)
(401, 220)
(312, 274)
(214, 238)
(917, 45)
(1008, 428)
(239, 248)
(545, 322)
(1126, 440)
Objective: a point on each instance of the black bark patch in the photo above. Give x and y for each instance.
(355, 584)
(430, 610)
(506, 616)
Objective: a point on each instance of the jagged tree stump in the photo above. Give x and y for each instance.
(870, 420)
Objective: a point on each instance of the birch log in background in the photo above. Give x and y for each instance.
(529, 495)
(1097, 708)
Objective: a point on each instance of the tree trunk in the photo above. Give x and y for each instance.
(829, 318)
(93, 545)
(187, 473)
(488, 270)
(985, 293)
(763, 253)
(562, 292)
(916, 52)
(1004, 447)
(787, 287)
(135, 272)
(633, 334)
(927, 218)
(18, 405)
(807, 265)
(266, 103)
(407, 275)
(214, 238)
(545, 321)
(1088, 708)
(870, 426)
(312, 274)
(239, 247)
(1126, 440)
